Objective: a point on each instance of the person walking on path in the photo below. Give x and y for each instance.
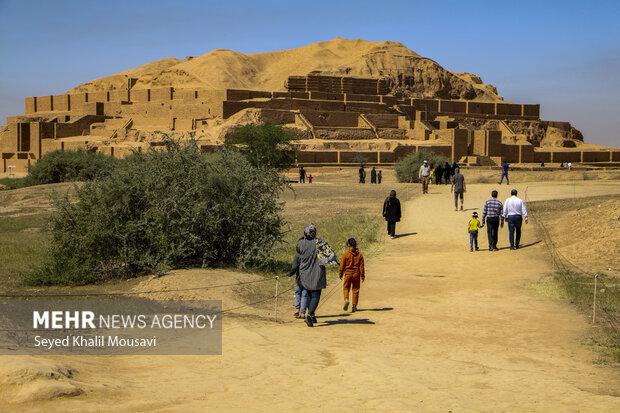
(492, 213)
(373, 175)
(472, 227)
(391, 213)
(424, 175)
(447, 173)
(352, 274)
(379, 177)
(514, 212)
(312, 275)
(505, 168)
(302, 175)
(438, 174)
(458, 188)
(362, 174)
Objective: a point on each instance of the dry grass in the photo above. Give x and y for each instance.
(23, 240)
(487, 176)
(583, 236)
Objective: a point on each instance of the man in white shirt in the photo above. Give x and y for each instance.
(514, 212)
(424, 176)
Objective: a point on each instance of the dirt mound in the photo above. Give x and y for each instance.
(232, 287)
(150, 71)
(34, 379)
(220, 68)
(587, 232)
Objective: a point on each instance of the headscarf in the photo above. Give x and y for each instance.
(310, 231)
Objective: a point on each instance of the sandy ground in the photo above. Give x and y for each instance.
(440, 329)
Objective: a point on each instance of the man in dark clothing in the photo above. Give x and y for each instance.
(379, 177)
(391, 213)
(492, 211)
(373, 175)
(312, 275)
(302, 175)
(362, 174)
(438, 174)
(458, 187)
(446, 173)
(504, 173)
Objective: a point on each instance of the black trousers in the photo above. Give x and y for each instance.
(391, 228)
(492, 231)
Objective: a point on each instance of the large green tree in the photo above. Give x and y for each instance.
(265, 145)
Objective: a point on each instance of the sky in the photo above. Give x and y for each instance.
(564, 55)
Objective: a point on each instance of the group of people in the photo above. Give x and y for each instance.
(303, 175)
(440, 174)
(313, 254)
(494, 214)
(375, 176)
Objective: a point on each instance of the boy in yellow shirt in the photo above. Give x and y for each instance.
(472, 227)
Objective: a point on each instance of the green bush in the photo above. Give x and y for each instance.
(407, 169)
(65, 166)
(165, 209)
(15, 183)
(264, 145)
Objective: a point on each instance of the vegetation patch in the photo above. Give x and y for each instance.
(164, 209)
(264, 145)
(407, 169)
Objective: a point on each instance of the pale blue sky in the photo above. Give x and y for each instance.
(564, 55)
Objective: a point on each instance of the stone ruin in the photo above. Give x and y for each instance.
(338, 120)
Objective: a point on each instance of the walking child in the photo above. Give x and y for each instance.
(472, 227)
(352, 274)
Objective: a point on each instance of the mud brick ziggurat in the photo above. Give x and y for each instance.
(338, 120)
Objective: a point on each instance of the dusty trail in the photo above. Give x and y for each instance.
(442, 329)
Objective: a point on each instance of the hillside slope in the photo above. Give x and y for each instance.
(412, 74)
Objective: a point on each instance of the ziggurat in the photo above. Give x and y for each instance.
(338, 120)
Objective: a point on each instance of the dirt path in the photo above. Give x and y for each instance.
(442, 329)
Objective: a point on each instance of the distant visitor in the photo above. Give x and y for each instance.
(424, 176)
(505, 168)
(391, 213)
(458, 188)
(362, 175)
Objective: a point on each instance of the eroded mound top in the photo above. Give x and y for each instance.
(413, 74)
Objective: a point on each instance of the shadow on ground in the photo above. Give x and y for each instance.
(405, 234)
(522, 245)
(346, 321)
